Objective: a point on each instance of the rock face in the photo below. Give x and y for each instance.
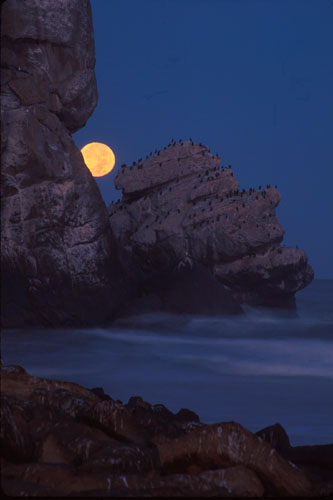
(222, 445)
(181, 207)
(59, 439)
(184, 238)
(276, 436)
(58, 253)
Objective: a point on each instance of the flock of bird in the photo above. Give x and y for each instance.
(203, 177)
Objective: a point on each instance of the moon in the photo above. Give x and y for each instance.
(99, 158)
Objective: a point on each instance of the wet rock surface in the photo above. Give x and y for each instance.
(53, 446)
(181, 207)
(58, 253)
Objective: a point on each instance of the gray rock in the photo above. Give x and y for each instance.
(180, 207)
(58, 254)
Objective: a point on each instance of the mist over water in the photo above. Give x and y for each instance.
(257, 369)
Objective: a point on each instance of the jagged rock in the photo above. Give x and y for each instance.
(316, 461)
(71, 442)
(58, 253)
(138, 421)
(238, 480)
(179, 206)
(268, 278)
(53, 59)
(276, 436)
(113, 418)
(37, 418)
(30, 431)
(158, 422)
(87, 445)
(16, 441)
(16, 382)
(99, 391)
(228, 444)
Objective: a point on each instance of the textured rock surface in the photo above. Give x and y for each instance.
(235, 481)
(60, 262)
(276, 436)
(99, 447)
(180, 206)
(226, 444)
(57, 250)
(137, 421)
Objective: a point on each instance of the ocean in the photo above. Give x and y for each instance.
(256, 369)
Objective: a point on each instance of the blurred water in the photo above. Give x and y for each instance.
(256, 369)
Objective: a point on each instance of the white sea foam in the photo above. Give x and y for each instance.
(257, 368)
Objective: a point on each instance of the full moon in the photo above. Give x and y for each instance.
(99, 158)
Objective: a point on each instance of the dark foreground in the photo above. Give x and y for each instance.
(60, 439)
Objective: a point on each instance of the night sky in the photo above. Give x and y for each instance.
(251, 79)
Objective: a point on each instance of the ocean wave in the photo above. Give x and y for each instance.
(235, 356)
(256, 323)
(315, 366)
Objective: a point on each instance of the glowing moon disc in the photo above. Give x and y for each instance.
(99, 158)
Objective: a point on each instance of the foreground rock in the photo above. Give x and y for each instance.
(60, 439)
(181, 207)
(276, 436)
(58, 254)
(226, 444)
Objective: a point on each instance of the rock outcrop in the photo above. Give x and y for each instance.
(58, 253)
(60, 439)
(181, 207)
(184, 238)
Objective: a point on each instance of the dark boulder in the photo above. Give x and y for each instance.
(276, 436)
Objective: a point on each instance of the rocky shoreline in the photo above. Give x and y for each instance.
(61, 439)
(185, 238)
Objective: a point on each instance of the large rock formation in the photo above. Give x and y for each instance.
(187, 240)
(60, 439)
(58, 252)
(180, 207)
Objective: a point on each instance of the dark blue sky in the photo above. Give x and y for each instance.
(251, 79)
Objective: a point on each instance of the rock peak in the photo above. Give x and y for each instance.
(176, 161)
(181, 202)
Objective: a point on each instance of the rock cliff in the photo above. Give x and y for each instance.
(184, 237)
(58, 252)
(180, 207)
